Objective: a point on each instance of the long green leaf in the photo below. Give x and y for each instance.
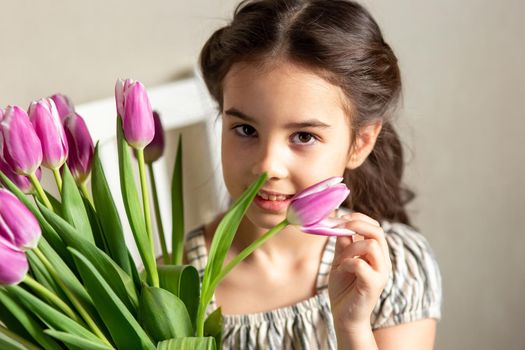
(163, 315)
(49, 315)
(188, 343)
(224, 234)
(76, 341)
(11, 322)
(12, 341)
(73, 209)
(183, 281)
(108, 215)
(177, 209)
(132, 203)
(96, 228)
(43, 276)
(213, 326)
(26, 320)
(47, 231)
(124, 329)
(120, 282)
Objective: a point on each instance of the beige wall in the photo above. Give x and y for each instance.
(462, 121)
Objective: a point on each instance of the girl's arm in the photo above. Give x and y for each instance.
(360, 271)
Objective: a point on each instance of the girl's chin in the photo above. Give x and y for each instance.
(264, 220)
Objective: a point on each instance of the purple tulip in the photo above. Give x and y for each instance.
(13, 264)
(64, 105)
(20, 145)
(155, 149)
(134, 108)
(18, 226)
(311, 207)
(21, 181)
(1, 114)
(48, 126)
(80, 147)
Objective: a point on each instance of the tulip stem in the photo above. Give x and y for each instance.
(40, 191)
(47, 294)
(207, 294)
(58, 179)
(78, 305)
(154, 277)
(85, 192)
(158, 217)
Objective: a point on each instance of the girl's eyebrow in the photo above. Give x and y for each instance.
(310, 123)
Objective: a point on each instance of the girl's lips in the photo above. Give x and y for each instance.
(273, 206)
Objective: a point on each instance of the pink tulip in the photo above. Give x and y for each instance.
(19, 143)
(1, 114)
(64, 105)
(48, 126)
(13, 264)
(134, 108)
(21, 181)
(18, 226)
(311, 207)
(155, 149)
(80, 147)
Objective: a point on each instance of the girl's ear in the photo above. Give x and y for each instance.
(364, 144)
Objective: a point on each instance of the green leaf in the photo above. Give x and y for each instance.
(163, 315)
(26, 320)
(55, 203)
(96, 228)
(108, 215)
(11, 322)
(188, 343)
(120, 282)
(12, 341)
(132, 203)
(124, 329)
(213, 326)
(183, 281)
(177, 209)
(73, 209)
(47, 231)
(43, 276)
(223, 237)
(49, 315)
(76, 341)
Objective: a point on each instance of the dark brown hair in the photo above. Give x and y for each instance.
(340, 40)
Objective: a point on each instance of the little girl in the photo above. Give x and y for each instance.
(306, 91)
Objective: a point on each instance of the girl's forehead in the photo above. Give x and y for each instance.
(285, 88)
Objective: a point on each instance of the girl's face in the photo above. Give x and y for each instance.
(284, 120)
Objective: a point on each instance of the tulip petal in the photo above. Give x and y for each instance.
(318, 187)
(64, 105)
(137, 121)
(18, 226)
(13, 264)
(21, 146)
(328, 227)
(155, 149)
(48, 126)
(81, 147)
(314, 207)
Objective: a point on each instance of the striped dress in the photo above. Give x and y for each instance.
(413, 292)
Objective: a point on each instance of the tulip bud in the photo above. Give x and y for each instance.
(21, 181)
(1, 114)
(311, 207)
(155, 149)
(13, 264)
(46, 122)
(134, 108)
(80, 147)
(21, 147)
(64, 105)
(18, 226)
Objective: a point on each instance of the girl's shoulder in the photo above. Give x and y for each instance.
(413, 291)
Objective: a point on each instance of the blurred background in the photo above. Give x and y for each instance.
(462, 120)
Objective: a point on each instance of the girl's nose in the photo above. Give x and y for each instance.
(271, 160)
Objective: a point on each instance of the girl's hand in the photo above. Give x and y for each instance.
(359, 273)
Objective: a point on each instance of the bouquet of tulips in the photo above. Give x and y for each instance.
(67, 279)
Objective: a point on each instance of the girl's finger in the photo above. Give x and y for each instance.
(361, 217)
(370, 251)
(368, 231)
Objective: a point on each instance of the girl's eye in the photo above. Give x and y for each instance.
(304, 138)
(245, 130)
